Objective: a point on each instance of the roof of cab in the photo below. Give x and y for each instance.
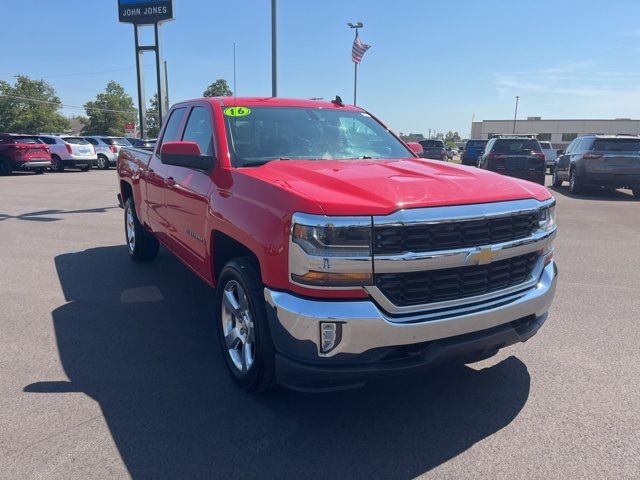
(275, 102)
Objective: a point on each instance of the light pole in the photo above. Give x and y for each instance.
(355, 26)
(515, 115)
(274, 58)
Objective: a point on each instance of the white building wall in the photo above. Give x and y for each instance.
(556, 128)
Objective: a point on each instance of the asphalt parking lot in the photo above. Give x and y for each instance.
(110, 369)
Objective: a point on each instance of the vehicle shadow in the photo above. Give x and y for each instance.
(596, 194)
(139, 339)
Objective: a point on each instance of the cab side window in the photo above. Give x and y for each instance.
(199, 130)
(170, 133)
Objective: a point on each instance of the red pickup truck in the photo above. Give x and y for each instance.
(337, 254)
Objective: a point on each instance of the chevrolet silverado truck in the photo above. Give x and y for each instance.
(336, 253)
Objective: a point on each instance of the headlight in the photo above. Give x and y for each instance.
(330, 252)
(547, 218)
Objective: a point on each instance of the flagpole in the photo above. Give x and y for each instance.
(355, 83)
(355, 66)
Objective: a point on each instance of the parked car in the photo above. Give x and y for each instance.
(610, 161)
(117, 142)
(107, 152)
(449, 152)
(24, 153)
(472, 151)
(433, 149)
(142, 142)
(550, 155)
(515, 156)
(69, 152)
(330, 251)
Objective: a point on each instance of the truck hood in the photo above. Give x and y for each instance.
(380, 187)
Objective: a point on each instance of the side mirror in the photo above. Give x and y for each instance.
(560, 152)
(415, 147)
(185, 154)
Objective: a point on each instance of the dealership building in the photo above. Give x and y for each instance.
(558, 132)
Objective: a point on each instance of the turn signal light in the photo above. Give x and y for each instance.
(332, 279)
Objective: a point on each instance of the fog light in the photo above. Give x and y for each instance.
(330, 336)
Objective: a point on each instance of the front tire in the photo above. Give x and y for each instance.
(555, 181)
(243, 330)
(38, 171)
(142, 246)
(636, 192)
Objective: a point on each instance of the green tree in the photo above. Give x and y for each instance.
(30, 106)
(153, 118)
(109, 112)
(451, 138)
(219, 88)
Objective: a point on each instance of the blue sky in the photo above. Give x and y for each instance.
(433, 64)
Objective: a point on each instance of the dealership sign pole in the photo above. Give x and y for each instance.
(140, 13)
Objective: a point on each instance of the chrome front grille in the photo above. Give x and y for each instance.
(452, 258)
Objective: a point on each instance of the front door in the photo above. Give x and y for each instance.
(156, 178)
(187, 195)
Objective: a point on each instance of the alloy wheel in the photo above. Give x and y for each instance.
(237, 326)
(131, 230)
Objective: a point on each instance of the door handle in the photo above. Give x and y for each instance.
(170, 182)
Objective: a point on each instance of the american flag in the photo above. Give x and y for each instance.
(357, 52)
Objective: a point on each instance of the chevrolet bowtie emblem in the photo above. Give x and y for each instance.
(482, 256)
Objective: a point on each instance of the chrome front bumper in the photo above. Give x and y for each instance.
(365, 326)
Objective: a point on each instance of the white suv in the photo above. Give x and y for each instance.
(69, 151)
(107, 149)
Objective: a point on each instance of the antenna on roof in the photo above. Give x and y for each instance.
(338, 101)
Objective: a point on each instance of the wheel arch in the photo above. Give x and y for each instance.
(225, 248)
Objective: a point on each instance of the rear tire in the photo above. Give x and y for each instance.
(575, 187)
(142, 246)
(636, 192)
(243, 329)
(56, 164)
(102, 163)
(5, 167)
(38, 171)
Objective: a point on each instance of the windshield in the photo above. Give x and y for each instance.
(617, 144)
(271, 133)
(123, 142)
(75, 140)
(476, 144)
(27, 140)
(516, 146)
(432, 144)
